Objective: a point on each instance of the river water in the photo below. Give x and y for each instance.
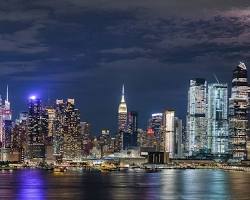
(167, 184)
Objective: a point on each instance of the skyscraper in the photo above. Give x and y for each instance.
(133, 127)
(51, 118)
(130, 135)
(6, 123)
(217, 116)
(122, 122)
(19, 136)
(238, 113)
(122, 113)
(1, 123)
(58, 130)
(71, 132)
(85, 134)
(169, 132)
(196, 117)
(155, 123)
(7, 115)
(178, 138)
(37, 129)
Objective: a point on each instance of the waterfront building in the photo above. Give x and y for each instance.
(37, 129)
(71, 132)
(169, 132)
(196, 117)
(217, 117)
(58, 128)
(178, 138)
(19, 136)
(238, 113)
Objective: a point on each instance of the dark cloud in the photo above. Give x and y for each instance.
(87, 49)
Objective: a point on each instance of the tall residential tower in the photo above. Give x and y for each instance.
(196, 117)
(238, 113)
(217, 115)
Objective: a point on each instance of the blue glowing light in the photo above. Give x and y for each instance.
(32, 97)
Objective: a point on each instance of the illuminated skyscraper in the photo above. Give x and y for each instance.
(217, 116)
(71, 133)
(122, 122)
(155, 123)
(130, 136)
(7, 133)
(178, 138)
(238, 113)
(85, 134)
(19, 136)
(169, 132)
(1, 123)
(6, 123)
(122, 113)
(58, 129)
(133, 127)
(7, 115)
(51, 118)
(196, 117)
(37, 129)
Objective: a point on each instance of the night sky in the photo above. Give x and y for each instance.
(87, 50)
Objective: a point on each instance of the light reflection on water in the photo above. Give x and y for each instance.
(32, 185)
(168, 184)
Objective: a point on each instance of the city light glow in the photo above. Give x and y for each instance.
(33, 97)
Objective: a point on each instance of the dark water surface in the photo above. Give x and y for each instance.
(167, 184)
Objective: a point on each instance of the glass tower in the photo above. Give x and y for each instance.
(238, 113)
(169, 132)
(217, 116)
(37, 129)
(196, 117)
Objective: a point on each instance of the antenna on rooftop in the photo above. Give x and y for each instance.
(216, 78)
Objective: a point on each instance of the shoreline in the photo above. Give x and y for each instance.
(145, 169)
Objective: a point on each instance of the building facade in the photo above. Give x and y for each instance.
(178, 138)
(169, 132)
(72, 143)
(37, 129)
(130, 135)
(238, 113)
(196, 117)
(217, 116)
(122, 121)
(58, 130)
(155, 124)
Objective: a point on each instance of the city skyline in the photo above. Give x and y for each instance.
(86, 50)
(116, 99)
(96, 128)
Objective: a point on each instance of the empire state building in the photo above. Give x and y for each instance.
(122, 113)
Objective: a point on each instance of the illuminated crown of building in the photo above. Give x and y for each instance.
(122, 105)
(242, 65)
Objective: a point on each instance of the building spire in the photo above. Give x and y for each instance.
(7, 93)
(123, 94)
